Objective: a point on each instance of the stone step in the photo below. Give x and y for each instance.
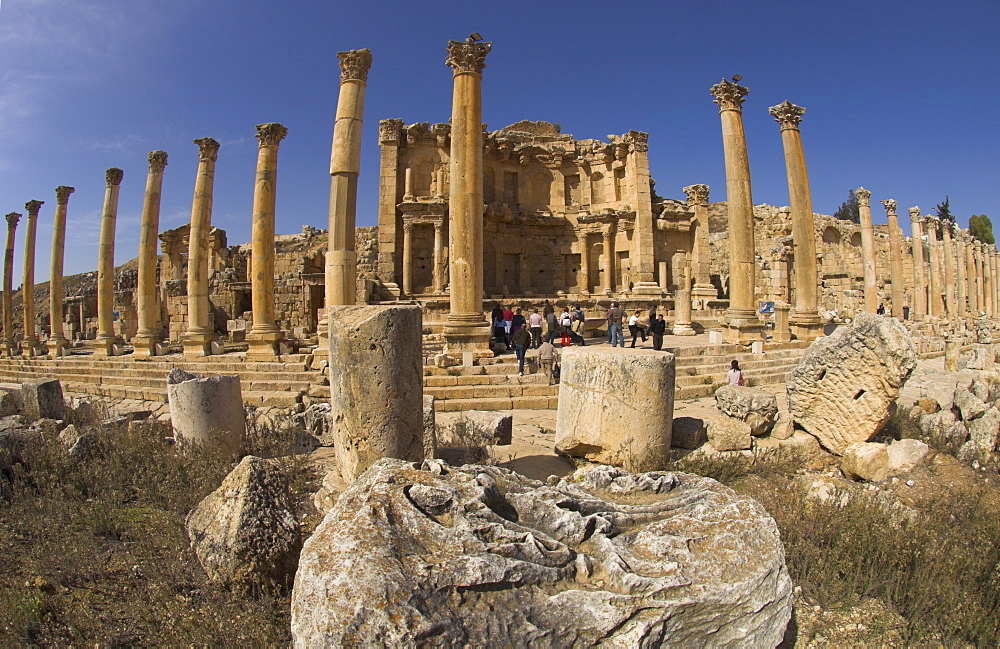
(519, 403)
(484, 379)
(491, 391)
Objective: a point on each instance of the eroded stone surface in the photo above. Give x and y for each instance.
(759, 409)
(486, 557)
(43, 399)
(491, 426)
(729, 434)
(207, 409)
(865, 461)
(843, 389)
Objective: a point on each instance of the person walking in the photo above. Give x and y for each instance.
(635, 328)
(616, 336)
(535, 325)
(657, 328)
(552, 324)
(735, 375)
(508, 319)
(579, 324)
(547, 355)
(500, 331)
(522, 340)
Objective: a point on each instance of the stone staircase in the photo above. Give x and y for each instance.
(702, 370)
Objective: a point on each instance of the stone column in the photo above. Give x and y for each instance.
(345, 164)
(895, 258)
(959, 238)
(28, 292)
(8, 285)
(585, 264)
(638, 186)
(150, 330)
(782, 330)
(868, 249)
(57, 339)
(935, 304)
(949, 271)
(408, 259)
(701, 255)
(989, 285)
(682, 313)
(663, 275)
(805, 321)
(609, 259)
(198, 339)
(980, 285)
(741, 322)
(919, 277)
(264, 336)
(439, 256)
(466, 328)
(104, 344)
(970, 276)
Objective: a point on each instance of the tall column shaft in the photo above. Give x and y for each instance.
(919, 276)
(263, 337)
(868, 249)
(584, 263)
(949, 270)
(8, 285)
(970, 277)
(990, 271)
(200, 334)
(345, 164)
(701, 255)
(895, 258)
(980, 293)
(609, 259)
(28, 292)
(57, 339)
(408, 259)
(643, 258)
(106, 266)
(935, 303)
(962, 295)
(466, 328)
(147, 304)
(438, 257)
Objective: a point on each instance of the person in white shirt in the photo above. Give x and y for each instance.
(735, 375)
(535, 321)
(635, 328)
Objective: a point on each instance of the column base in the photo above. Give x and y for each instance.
(683, 329)
(467, 334)
(145, 346)
(33, 348)
(263, 344)
(393, 288)
(198, 344)
(57, 345)
(704, 292)
(805, 325)
(742, 327)
(107, 346)
(651, 289)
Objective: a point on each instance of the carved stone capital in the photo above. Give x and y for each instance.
(467, 56)
(890, 206)
(864, 196)
(271, 134)
(354, 65)
(697, 194)
(729, 95)
(389, 130)
(114, 176)
(157, 161)
(637, 140)
(12, 219)
(33, 206)
(787, 114)
(914, 213)
(62, 194)
(208, 149)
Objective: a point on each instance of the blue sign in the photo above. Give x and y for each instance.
(767, 307)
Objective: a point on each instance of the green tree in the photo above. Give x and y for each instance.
(849, 210)
(943, 210)
(981, 228)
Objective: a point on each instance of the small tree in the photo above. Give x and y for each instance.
(981, 228)
(849, 210)
(943, 210)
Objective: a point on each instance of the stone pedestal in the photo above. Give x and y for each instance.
(197, 340)
(782, 330)
(207, 409)
(57, 339)
(599, 389)
(31, 344)
(8, 286)
(377, 412)
(150, 330)
(868, 249)
(682, 313)
(107, 343)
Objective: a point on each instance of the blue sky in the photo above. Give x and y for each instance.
(900, 96)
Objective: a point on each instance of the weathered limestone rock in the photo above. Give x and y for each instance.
(969, 405)
(983, 432)
(952, 353)
(430, 427)
(377, 412)
(491, 426)
(929, 406)
(865, 461)
(207, 409)
(688, 432)
(245, 532)
(11, 402)
(615, 406)
(759, 409)
(729, 434)
(481, 556)
(982, 357)
(843, 389)
(78, 444)
(43, 399)
(905, 455)
(784, 427)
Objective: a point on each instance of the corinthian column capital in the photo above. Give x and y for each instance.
(114, 176)
(271, 134)
(787, 114)
(157, 161)
(354, 65)
(62, 194)
(914, 213)
(467, 56)
(33, 207)
(890, 206)
(697, 194)
(12, 219)
(208, 149)
(729, 95)
(864, 196)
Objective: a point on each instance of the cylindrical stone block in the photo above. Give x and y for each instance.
(952, 351)
(682, 313)
(616, 406)
(376, 374)
(207, 409)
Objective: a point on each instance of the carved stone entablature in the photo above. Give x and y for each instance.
(62, 194)
(33, 206)
(441, 131)
(354, 65)
(12, 219)
(637, 141)
(389, 130)
(208, 149)
(697, 194)
(415, 131)
(864, 196)
(624, 219)
(890, 206)
(467, 56)
(729, 95)
(787, 114)
(157, 161)
(271, 134)
(423, 209)
(114, 176)
(678, 220)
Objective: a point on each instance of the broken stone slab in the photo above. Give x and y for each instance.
(490, 427)
(865, 461)
(43, 399)
(969, 405)
(77, 444)
(906, 455)
(844, 388)
(430, 427)
(759, 409)
(784, 427)
(982, 357)
(207, 409)
(11, 401)
(983, 432)
(540, 565)
(376, 379)
(245, 533)
(615, 406)
(688, 432)
(729, 434)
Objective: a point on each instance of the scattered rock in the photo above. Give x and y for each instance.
(490, 426)
(905, 455)
(11, 402)
(729, 434)
(481, 556)
(77, 444)
(784, 427)
(43, 399)
(688, 432)
(866, 461)
(929, 406)
(969, 405)
(759, 409)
